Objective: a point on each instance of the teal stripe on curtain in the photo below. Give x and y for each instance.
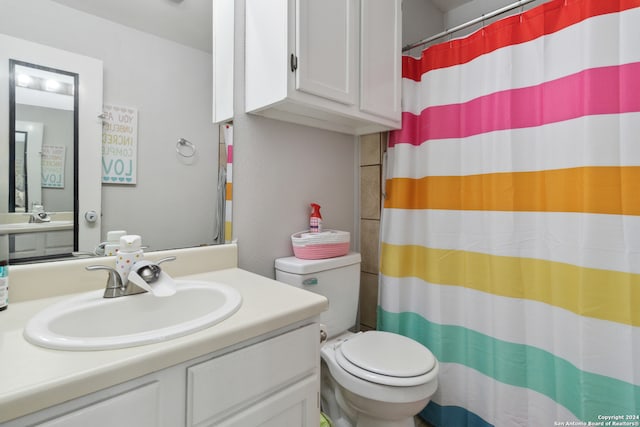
(585, 394)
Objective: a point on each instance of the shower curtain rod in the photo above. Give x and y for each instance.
(467, 24)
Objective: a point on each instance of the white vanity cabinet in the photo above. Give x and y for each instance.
(332, 64)
(269, 381)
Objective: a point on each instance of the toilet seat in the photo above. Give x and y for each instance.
(385, 358)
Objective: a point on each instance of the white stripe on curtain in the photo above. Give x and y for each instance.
(578, 142)
(603, 241)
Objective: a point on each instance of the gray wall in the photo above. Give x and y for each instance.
(173, 204)
(420, 19)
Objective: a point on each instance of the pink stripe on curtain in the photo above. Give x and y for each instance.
(589, 92)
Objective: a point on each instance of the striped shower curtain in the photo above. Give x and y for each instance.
(510, 236)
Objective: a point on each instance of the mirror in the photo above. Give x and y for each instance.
(175, 200)
(40, 206)
(42, 155)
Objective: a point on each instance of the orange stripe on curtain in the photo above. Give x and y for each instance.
(229, 191)
(600, 189)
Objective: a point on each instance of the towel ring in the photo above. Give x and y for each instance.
(185, 148)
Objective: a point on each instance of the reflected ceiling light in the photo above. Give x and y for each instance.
(23, 80)
(52, 85)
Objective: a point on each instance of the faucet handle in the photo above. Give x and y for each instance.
(114, 281)
(169, 258)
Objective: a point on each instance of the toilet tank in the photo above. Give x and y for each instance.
(338, 279)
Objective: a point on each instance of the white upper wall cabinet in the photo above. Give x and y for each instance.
(332, 64)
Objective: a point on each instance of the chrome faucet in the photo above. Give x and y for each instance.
(38, 214)
(115, 286)
(39, 217)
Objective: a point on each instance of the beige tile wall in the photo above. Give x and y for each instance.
(371, 151)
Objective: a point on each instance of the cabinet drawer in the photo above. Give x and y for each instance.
(228, 384)
(295, 406)
(135, 408)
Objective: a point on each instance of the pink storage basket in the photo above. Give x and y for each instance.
(327, 244)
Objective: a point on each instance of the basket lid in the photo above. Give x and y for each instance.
(306, 266)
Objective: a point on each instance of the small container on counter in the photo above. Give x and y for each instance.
(129, 253)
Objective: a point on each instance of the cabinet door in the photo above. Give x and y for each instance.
(327, 49)
(381, 57)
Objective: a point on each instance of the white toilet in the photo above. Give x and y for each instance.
(370, 379)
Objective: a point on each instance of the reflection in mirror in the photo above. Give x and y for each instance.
(28, 158)
(20, 160)
(225, 185)
(43, 117)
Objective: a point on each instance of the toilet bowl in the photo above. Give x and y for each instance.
(376, 379)
(368, 379)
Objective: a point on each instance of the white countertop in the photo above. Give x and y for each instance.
(36, 227)
(17, 223)
(33, 378)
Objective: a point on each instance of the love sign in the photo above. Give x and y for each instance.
(53, 157)
(119, 145)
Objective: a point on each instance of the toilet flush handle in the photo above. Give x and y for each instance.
(323, 333)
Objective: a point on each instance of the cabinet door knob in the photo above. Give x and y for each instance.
(294, 63)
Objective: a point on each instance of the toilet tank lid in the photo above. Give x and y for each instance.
(307, 266)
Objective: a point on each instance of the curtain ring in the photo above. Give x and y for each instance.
(185, 148)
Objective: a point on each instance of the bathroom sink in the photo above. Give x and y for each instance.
(91, 322)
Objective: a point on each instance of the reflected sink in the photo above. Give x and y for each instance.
(91, 322)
